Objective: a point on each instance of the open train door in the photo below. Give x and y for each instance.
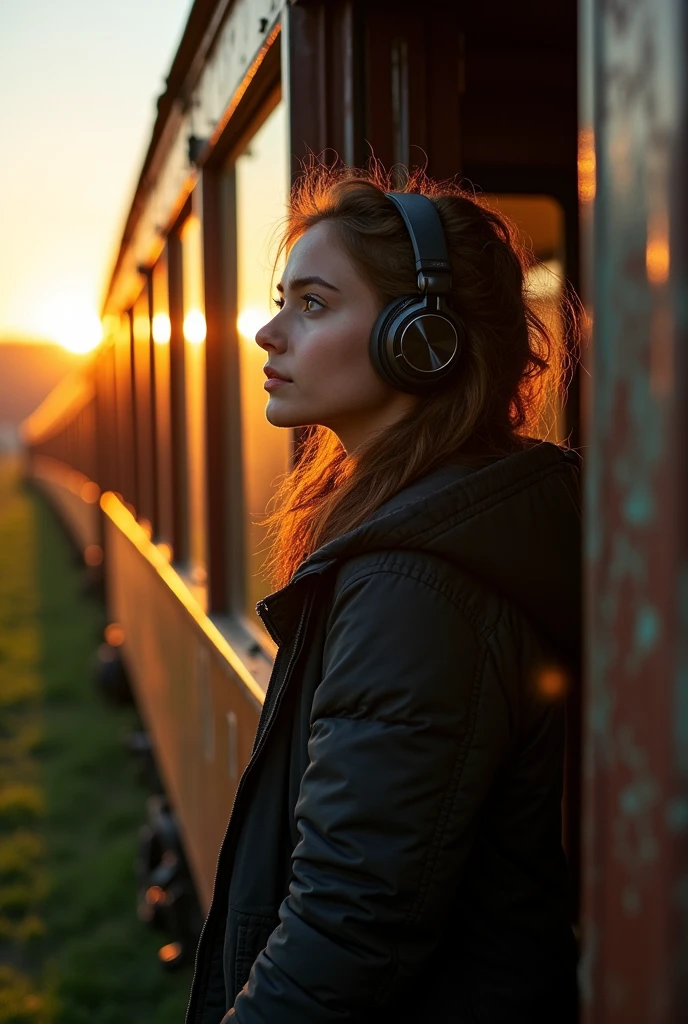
(485, 94)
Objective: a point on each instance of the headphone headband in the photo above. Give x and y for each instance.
(425, 230)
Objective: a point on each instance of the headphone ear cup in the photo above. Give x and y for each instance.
(407, 324)
(380, 346)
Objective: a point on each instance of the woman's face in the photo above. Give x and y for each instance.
(319, 341)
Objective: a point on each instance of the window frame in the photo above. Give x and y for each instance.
(226, 499)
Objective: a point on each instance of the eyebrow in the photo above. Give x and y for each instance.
(301, 282)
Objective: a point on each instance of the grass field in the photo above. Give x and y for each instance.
(72, 950)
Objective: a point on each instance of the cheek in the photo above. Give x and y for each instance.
(341, 356)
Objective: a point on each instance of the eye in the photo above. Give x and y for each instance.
(311, 298)
(308, 299)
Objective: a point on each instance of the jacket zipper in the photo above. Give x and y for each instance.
(262, 610)
(270, 706)
(268, 713)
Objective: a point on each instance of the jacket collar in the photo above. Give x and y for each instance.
(514, 524)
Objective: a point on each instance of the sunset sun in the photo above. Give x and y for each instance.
(76, 327)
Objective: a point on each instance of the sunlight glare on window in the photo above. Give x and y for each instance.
(194, 331)
(161, 329)
(250, 321)
(194, 327)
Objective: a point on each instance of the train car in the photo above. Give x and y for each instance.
(158, 454)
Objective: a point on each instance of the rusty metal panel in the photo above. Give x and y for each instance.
(200, 702)
(633, 170)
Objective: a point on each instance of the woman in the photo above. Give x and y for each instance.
(394, 851)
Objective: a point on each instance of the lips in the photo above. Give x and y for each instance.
(272, 374)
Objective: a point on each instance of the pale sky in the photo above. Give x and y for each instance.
(78, 81)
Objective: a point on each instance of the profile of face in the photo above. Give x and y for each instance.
(319, 342)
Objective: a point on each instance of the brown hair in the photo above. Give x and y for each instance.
(514, 367)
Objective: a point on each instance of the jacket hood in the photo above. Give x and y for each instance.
(514, 525)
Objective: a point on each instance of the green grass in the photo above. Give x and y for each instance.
(71, 801)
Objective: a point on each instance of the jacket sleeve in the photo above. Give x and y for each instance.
(408, 729)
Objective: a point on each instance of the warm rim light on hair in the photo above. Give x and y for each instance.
(515, 367)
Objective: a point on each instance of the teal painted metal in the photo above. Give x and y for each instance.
(633, 180)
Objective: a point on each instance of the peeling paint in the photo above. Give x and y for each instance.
(647, 628)
(639, 507)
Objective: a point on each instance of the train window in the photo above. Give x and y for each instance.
(194, 329)
(107, 410)
(161, 331)
(261, 181)
(145, 410)
(540, 220)
(126, 427)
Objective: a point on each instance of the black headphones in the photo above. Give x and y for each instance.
(417, 340)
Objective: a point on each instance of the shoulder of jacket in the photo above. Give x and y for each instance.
(481, 606)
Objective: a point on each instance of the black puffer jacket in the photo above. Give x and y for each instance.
(394, 849)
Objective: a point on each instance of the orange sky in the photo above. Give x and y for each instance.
(79, 82)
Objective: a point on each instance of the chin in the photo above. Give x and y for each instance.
(280, 417)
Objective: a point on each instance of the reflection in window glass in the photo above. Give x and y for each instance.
(261, 202)
(540, 220)
(194, 393)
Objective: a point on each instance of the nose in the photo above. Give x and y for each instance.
(271, 336)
